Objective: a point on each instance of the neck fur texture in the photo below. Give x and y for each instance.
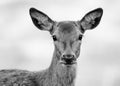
(61, 74)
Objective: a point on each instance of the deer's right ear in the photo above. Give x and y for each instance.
(40, 20)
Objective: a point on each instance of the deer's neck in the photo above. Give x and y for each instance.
(61, 75)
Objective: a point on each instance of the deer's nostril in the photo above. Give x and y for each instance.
(68, 56)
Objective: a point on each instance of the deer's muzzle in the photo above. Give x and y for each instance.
(68, 59)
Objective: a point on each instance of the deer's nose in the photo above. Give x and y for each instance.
(68, 56)
(68, 59)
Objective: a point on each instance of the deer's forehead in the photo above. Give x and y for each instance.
(67, 29)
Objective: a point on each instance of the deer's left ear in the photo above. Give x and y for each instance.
(40, 20)
(91, 19)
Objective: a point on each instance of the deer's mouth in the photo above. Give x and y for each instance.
(68, 62)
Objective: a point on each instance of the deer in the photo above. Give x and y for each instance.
(67, 37)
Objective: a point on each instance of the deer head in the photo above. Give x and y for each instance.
(67, 35)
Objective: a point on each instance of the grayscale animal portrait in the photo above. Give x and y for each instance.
(67, 38)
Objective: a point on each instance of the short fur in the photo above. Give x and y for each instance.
(55, 75)
(67, 36)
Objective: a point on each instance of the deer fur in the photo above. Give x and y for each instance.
(56, 74)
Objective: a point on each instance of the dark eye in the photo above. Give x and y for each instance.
(54, 38)
(80, 37)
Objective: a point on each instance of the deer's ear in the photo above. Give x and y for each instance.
(40, 20)
(91, 19)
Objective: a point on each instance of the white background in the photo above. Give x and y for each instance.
(23, 46)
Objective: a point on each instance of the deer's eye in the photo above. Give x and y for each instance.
(80, 37)
(54, 38)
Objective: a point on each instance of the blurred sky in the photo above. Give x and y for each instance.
(23, 46)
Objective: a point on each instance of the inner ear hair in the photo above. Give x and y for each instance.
(91, 19)
(40, 20)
